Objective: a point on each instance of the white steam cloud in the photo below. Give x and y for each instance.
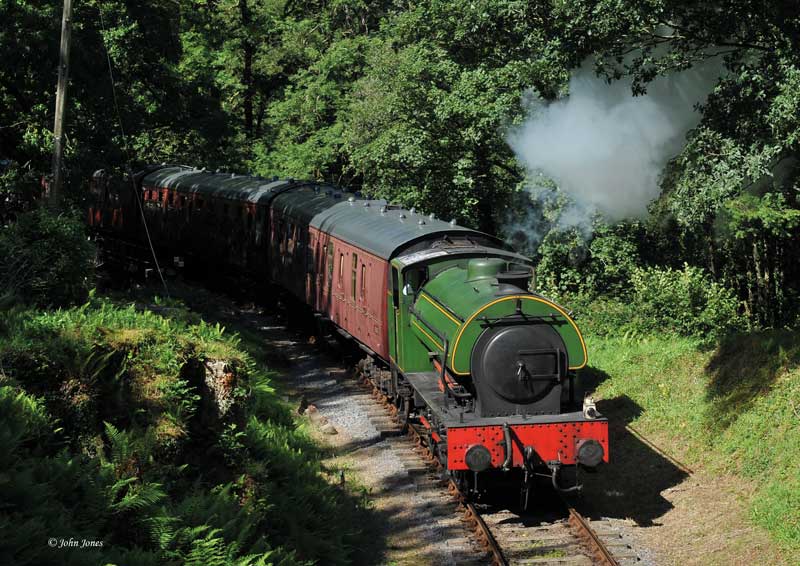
(605, 147)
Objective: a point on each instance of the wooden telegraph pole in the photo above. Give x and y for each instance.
(61, 103)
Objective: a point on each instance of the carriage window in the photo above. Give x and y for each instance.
(363, 281)
(330, 260)
(310, 266)
(290, 239)
(341, 268)
(355, 273)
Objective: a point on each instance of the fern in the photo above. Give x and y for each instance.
(212, 550)
(120, 446)
(161, 530)
(97, 362)
(137, 496)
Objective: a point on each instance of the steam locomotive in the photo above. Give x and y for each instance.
(453, 334)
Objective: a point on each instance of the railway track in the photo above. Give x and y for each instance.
(560, 537)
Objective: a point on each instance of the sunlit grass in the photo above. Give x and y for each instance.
(734, 408)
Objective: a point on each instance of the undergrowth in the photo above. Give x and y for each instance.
(733, 408)
(110, 432)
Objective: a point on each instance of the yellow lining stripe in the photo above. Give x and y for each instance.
(510, 298)
(444, 312)
(414, 322)
(396, 335)
(395, 363)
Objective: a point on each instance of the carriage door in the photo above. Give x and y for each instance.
(310, 270)
(327, 299)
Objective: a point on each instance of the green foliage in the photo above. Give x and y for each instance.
(106, 433)
(589, 261)
(560, 269)
(683, 301)
(19, 189)
(411, 102)
(45, 259)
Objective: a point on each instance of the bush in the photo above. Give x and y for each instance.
(573, 262)
(20, 188)
(45, 259)
(685, 302)
(562, 262)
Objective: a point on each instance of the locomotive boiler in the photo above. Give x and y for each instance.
(454, 333)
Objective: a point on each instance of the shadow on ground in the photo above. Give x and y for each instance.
(630, 486)
(745, 367)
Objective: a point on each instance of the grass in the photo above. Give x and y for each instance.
(108, 433)
(732, 408)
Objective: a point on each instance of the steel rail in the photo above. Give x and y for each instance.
(585, 532)
(484, 532)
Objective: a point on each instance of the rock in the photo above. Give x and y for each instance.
(328, 428)
(220, 382)
(317, 418)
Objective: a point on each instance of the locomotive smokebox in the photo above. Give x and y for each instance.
(518, 368)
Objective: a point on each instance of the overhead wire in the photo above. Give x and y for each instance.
(126, 153)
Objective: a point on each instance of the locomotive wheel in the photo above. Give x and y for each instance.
(404, 412)
(461, 479)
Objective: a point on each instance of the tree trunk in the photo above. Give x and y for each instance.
(711, 264)
(761, 283)
(262, 107)
(778, 281)
(247, 76)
